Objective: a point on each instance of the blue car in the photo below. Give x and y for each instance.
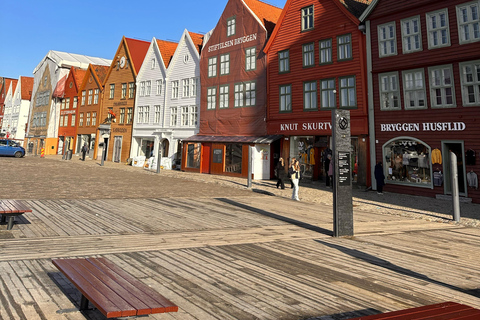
(11, 148)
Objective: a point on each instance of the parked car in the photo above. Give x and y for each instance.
(11, 148)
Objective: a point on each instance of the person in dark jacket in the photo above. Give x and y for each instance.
(281, 174)
(379, 177)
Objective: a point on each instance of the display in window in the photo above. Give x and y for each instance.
(303, 150)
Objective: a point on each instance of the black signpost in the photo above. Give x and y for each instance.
(342, 177)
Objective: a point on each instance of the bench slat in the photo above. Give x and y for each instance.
(5, 207)
(440, 311)
(91, 292)
(152, 298)
(20, 207)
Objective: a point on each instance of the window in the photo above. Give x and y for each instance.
(239, 95)
(122, 116)
(193, 115)
(286, 98)
(212, 67)
(308, 54)
(223, 103)
(124, 90)
(211, 98)
(411, 35)
(284, 61)
(387, 42)
(193, 155)
(470, 79)
(186, 87)
(146, 111)
(90, 95)
(67, 104)
(325, 51)
(442, 93)
(327, 94)
(250, 59)
(80, 120)
(140, 114)
(109, 115)
(95, 96)
(250, 93)
(175, 89)
(233, 157)
(307, 18)
(129, 115)
(310, 95)
(348, 96)
(131, 90)
(61, 121)
(112, 91)
(73, 120)
(225, 64)
(193, 87)
(437, 28)
(230, 26)
(184, 117)
(84, 93)
(154, 62)
(62, 106)
(94, 119)
(75, 102)
(159, 87)
(88, 119)
(157, 114)
(344, 44)
(142, 88)
(173, 116)
(468, 22)
(389, 91)
(414, 89)
(148, 88)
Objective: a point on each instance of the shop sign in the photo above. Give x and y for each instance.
(233, 42)
(425, 126)
(120, 130)
(307, 126)
(68, 112)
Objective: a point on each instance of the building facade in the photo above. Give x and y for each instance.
(20, 106)
(316, 64)
(425, 94)
(5, 85)
(233, 93)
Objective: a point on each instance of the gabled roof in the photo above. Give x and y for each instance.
(197, 40)
(137, 49)
(356, 7)
(59, 91)
(67, 60)
(100, 72)
(78, 74)
(26, 87)
(167, 50)
(267, 13)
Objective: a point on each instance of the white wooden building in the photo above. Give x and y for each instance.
(18, 116)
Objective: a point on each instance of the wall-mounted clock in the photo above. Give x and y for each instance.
(122, 61)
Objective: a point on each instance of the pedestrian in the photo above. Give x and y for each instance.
(379, 177)
(295, 173)
(328, 159)
(330, 171)
(281, 174)
(84, 151)
(292, 161)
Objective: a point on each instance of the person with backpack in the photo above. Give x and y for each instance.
(295, 176)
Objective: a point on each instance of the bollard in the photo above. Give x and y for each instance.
(249, 179)
(454, 179)
(159, 158)
(103, 154)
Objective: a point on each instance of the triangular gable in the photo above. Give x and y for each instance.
(186, 40)
(167, 50)
(356, 7)
(79, 74)
(26, 87)
(137, 50)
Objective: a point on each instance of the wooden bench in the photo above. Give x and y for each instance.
(11, 209)
(443, 311)
(111, 290)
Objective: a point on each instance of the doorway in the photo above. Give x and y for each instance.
(457, 147)
(117, 149)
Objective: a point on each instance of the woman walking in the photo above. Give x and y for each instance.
(379, 177)
(281, 174)
(295, 174)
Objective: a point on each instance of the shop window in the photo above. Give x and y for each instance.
(302, 149)
(193, 155)
(233, 158)
(407, 161)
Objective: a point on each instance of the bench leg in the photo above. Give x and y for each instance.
(10, 222)
(83, 303)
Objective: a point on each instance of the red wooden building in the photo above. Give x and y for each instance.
(233, 93)
(425, 93)
(316, 63)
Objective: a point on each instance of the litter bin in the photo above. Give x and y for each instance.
(69, 155)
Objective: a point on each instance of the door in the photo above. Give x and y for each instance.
(117, 149)
(457, 147)
(206, 152)
(60, 145)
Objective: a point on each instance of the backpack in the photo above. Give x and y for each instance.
(290, 172)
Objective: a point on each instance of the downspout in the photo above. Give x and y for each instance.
(371, 115)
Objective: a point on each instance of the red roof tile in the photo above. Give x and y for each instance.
(167, 49)
(138, 50)
(267, 13)
(27, 87)
(79, 74)
(197, 40)
(100, 72)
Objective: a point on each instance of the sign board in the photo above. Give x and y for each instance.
(344, 169)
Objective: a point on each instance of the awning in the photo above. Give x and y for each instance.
(59, 91)
(234, 139)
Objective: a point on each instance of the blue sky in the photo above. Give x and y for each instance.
(31, 28)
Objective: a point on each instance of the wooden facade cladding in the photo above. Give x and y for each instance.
(65, 128)
(331, 20)
(452, 56)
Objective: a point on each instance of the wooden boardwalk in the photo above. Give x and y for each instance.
(254, 257)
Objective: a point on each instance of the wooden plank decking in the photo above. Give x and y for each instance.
(238, 258)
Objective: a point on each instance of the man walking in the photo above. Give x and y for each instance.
(84, 151)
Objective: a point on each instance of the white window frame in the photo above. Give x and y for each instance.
(387, 39)
(231, 26)
(470, 83)
(140, 114)
(348, 91)
(175, 89)
(124, 90)
(148, 87)
(95, 96)
(442, 86)
(389, 91)
(223, 96)
(434, 31)
(212, 67)
(211, 98)
(238, 93)
(250, 93)
(131, 90)
(410, 37)
(159, 85)
(250, 59)
(185, 88)
(225, 64)
(173, 116)
(193, 115)
(193, 87)
(84, 96)
(158, 113)
(142, 89)
(72, 124)
(112, 91)
(415, 89)
(469, 29)
(94, 118)
(184, 116)
(308, 18)
(75, 102)
(146, 116)
(328, 96)
(344, 48)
